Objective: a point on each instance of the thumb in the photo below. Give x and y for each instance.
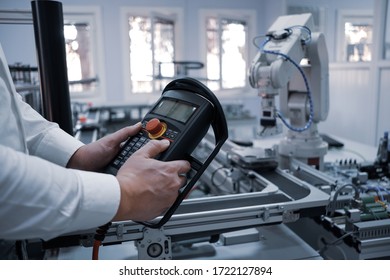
(153, 148)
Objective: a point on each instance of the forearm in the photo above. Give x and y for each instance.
(43, 200)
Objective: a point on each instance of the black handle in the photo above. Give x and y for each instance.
(220, 129)
(192, 85)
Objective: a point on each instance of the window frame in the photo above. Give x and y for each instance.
(248, 16)
(69, 12)
(92, 15)
(175, 14)
(342, 18)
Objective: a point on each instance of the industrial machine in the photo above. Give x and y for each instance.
(221, 209)
(242, 188)
(292, 63)
(338, 209)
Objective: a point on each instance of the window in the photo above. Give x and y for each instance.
(78, 56)
(83, 51)
(355, 39)
(227, 52)
(358, 41)
(82, 57)
(152, 50)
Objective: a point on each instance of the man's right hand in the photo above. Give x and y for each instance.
(149, 186)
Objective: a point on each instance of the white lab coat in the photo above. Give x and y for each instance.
(39, 197)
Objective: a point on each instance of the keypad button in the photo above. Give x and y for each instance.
(134, 144)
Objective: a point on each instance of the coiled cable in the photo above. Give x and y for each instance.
(98, 239)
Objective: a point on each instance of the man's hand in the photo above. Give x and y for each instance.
(96, 155)
(149, 186)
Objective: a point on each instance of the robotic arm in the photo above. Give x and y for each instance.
(277, 70)
(270, 70)
(293, 64)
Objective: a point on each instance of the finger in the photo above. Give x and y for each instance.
(153, 148)
(124, 133)
(182, 166)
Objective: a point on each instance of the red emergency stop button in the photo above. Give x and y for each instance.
(156, 128)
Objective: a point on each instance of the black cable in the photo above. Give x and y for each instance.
(98, 239)
(333, 243)
(282, 35)
(337, 192)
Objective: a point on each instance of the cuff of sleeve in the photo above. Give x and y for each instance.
(49, 149)
(100, 202)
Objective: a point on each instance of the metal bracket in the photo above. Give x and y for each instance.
(155, 245)
(290, 216)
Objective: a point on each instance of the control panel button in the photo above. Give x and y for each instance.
(156, 128)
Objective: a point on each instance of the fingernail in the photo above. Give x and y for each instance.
(165, 142)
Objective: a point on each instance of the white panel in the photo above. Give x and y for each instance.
(352, 112)
(384, 102)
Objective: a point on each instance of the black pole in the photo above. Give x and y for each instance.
(50, 44)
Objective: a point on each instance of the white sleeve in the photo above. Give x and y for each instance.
(40, 199)
(45, 139)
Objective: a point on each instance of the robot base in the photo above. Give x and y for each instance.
(308, 149)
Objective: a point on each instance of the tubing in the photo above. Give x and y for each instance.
(50, 44)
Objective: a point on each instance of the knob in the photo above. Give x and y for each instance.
(156, 128)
